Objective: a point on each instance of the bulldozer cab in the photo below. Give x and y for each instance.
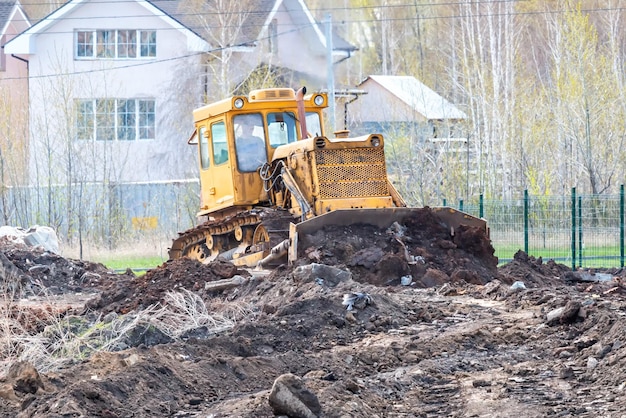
(237, 136)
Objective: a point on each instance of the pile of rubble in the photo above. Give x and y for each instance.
(352, 331)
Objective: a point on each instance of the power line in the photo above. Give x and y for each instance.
(244, 25)
(143, 62)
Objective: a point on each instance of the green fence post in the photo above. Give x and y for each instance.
(445, 203)
(461, 205)
(621, 226)
(526, 221)
(481, 208)
(580, 231)
(573, 228)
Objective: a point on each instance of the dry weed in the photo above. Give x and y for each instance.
(184, 310)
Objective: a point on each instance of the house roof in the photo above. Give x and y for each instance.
(193, 21)
(254, 21)
(8, 9)
(5, 11)
(23, 43)
(418, 96)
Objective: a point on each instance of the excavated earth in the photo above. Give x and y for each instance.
(405, 322)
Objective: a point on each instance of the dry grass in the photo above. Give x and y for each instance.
(183, 311)
(48, 336)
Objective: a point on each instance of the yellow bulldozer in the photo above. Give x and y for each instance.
(270, 175)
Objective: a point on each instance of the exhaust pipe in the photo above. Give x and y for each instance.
(301, 113)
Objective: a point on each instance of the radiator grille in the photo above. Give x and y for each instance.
(346, 173)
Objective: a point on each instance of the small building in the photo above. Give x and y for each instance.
(395, 103)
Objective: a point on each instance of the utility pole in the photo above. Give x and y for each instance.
(331, 72)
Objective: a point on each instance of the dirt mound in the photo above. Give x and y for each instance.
(133, 293)
(37, 271)
(533, 271)
(363, 343)
(418, 250)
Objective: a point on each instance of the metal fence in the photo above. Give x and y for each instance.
(576, 230)
(104, 214)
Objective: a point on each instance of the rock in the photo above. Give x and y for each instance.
(447, 290)
(7, 392)
(570, 312)
(592, 363)
(479, 383)
(433, 278)
(24, 377)
(566, 373)
(367, 257)
(553, 316)
(289, 396)
(563, 315)
(491, 287)
(517, 286)
(330, 275)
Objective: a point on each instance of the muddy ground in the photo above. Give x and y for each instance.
(406, 322)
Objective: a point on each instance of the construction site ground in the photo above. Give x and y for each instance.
(410, 323)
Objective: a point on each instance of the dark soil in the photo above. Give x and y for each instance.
(460, 339)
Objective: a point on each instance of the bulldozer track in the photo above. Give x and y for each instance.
(253, 231)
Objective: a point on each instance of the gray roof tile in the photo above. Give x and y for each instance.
(5, 11)
(204, 15)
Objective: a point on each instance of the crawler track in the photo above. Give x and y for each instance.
(248, 236)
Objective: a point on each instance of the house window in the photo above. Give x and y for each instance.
(85, 121)
(148, 43)
(105, 44)
(84, 44)
(147, 117)
(115, 119)
(114, 43)
(127, 44)
(126, 120)
(203, 143)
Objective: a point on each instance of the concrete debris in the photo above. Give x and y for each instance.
(35, 236)
(565, 314)
(289, 396)
(592, 363)
(356, 300)
(314, 272)
(518, 285)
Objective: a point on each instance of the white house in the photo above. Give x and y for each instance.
(112, 84)
(13, 97)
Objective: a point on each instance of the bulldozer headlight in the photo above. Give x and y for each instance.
(238, 103)
(375, 141)
(318, 100)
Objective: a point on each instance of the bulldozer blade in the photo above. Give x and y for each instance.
(300, 233)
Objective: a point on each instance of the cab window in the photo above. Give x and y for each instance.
(249, 141)
(220, 146)
(281, 127)
(203, 144)
(313, 124)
